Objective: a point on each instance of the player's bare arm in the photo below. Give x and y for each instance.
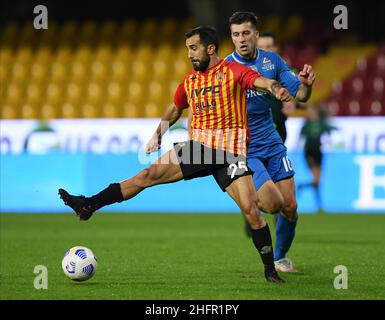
(189, 120)
(273, 87)
(169, 117)
(307, 78)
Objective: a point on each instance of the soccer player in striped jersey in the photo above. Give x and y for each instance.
(215, 91)
(273, 173)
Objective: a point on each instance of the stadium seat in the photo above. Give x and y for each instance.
(74, 93)
(354, 108)
(372, 107)
(181, 67)
(54, 94)
(114, 93)
(13, 95)
(19, 73)
(123, 54)
(88, 33)
(79, 72)
(337, 90)
(151, 110)
(144, 53)
(27, 35)
(148, 31)
(155, 92)
(39, 72)
(120, 71)
(293, 27)
(10, 34)
(5, 73)
(29, 112)
(356, 88)
(168, 30)
(272, 24)
(94, 94)
(131, 110)
(99, 71)
(23, 55)
(90, 111)
(103, 54)
(361, 67)
(68, 34)
(9, 112)
(49, 111)
(63, 55)
(110, 110)
(135, 92)
(333, 108)
(49, 36)
(160, 70)
(34, 94)
(376, 65)
(69, 111)
(108, 33)
(59, 72)
(140, 70)
(374, 87)
(128, 32)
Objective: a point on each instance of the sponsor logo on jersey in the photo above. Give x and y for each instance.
(267, 65)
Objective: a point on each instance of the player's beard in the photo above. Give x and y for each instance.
(202, 64)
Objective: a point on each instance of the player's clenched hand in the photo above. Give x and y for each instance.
(154, 144)
(282, 94)
(307, 75)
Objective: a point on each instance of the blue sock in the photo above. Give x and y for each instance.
(285, 231)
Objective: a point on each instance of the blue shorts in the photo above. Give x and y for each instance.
(277, 167)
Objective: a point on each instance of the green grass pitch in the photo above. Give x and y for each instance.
(189, 256)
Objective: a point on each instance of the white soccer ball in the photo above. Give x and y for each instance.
(79, 263)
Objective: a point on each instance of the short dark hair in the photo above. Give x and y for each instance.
(240, 17)
(268, 34)
(207, 35)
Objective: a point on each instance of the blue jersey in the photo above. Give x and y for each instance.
(264, 139)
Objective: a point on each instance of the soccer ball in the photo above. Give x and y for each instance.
(79, 263)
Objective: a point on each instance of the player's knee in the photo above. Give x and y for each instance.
(253, 215)
(148, 176)
(290, 209)
(274, 205)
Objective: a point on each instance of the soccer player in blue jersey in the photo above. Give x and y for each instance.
(273, 173)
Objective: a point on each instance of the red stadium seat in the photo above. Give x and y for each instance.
(361, 67)
(356, 88)
(337, 91)
(376, 65)
(372, 107)
(347, 107)
(374, 88)
(333, 108)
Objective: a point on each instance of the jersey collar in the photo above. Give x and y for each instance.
(242, 60)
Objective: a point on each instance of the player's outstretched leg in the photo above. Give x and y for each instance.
(164, 170)
(77, 203)
(84, 207)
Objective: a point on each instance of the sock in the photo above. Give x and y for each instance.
(285, 231)
(262, 242)
(318, 197)
(109, 195)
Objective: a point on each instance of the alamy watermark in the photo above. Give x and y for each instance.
(41, 279)
(41, 20)
(340, 281)
(341, 20)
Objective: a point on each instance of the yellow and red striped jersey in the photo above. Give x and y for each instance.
(217, 98)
